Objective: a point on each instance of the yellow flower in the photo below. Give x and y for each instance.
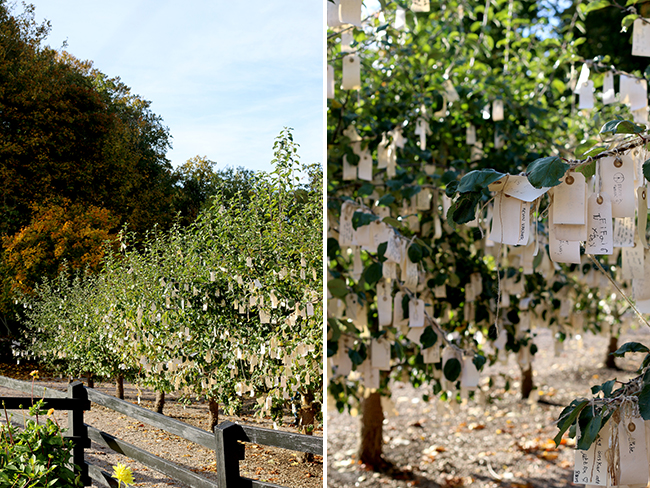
(50, 412)
(34, 374)
(122, 474)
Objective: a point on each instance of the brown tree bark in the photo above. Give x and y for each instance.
(371, 432)
(526, 382)
(91, 381)
(119, 387)
(307, 417)
(213, 407)
(610, 361)
(160, 402)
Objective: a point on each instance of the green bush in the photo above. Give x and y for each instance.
(35, 456)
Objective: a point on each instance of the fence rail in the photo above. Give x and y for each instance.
(225, 440)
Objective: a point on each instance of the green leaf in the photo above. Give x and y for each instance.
(621, 127)
(415, 253)
(411, 191)
(479, 361)
(373, 273)
(597, 5)
(337, 287)
(644, 402)
(606, 388)
(391, 221)
(463, 209)
(630, 347)
(332, 348)
(646, 169)
(359, 219)
(365, 190)
(428, 337)
(386, 200)
(452, 369)
(356, 357)
(451, 188)
(478, 179)
(546, 172)
(628, 20)
(568, 417)
(584, 147)
(588, 435)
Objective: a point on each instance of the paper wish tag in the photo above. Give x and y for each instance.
(333, 13)
(349, 169)
(617, 177)
(384, 304)
(624, 232)
(599, 224)
(582, 79)
(641, 286)
(380, 354)
(400, 19)
(609, 96)
(330, 81)
(469, 376)
(431, 355)
(398, 310)
(586, 95)
(632, 261)
(347, 38)
(632, 450)
(450, 91)
(497, 110)
(470, 137)
(641, 38)
(591, 465)
(560, 250)
(570, 200)
(365, 165)
(510, 220)
(416, 313)
(346, 230)
(351, 72)
(422, 129)
(420, 6)
(519, 187)
(350, 12)
(633, 92)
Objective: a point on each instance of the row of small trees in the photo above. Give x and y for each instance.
(226, 308)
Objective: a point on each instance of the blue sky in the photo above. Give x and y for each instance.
(225, 77)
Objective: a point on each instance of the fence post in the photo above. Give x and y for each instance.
(77, 431)
(228, 452)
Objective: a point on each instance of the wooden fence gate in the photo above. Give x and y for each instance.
(225, 440)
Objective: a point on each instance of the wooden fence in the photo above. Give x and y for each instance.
(225, 440)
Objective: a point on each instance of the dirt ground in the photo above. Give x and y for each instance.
(504, 442)
(278, 466)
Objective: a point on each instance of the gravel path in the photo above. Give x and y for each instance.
(505, 442)
(263, 463)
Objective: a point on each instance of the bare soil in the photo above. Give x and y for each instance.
(278, 466)
(500, 442)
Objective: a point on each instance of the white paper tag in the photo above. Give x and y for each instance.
(641, 286)
(420, 6)
(365, 165)
(569, 200)
(632, 449)
(519, 187)
(586, 95)
(638, 94)
(583, 78)
(624, 232)
(431, 355)
(497, 110)
(394, 249)
(350, 12)
(333, 13)
(451, 93)
(642, 211)
(591, 465)
(632, 261)
(347, 38)
(400, 19)
(599, 224)
(351, 72)
(510, 221)
(349, 170)
(380, 354)
(609, 96)
(617, 176)
(416, 313)
(641, 38)
(470, 376)
(398, 310)
(330, 81)
(470, 137)
(410, 273)
(561, 251)
(346, 231)
(384, 304)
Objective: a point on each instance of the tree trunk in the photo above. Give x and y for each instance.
(526, 382)
(213, 407)
(91, 381)
(119, 387)
(610, 361)
(371, 432)
(160, 402)
(307, 420)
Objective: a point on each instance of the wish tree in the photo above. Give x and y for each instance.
(452, 127)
